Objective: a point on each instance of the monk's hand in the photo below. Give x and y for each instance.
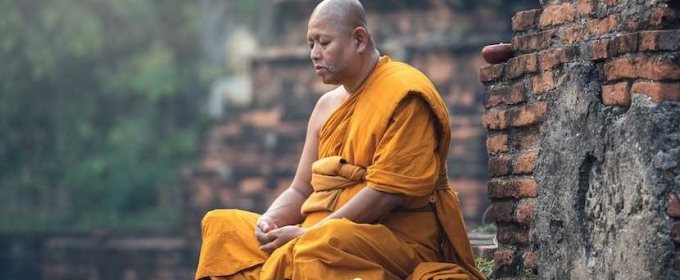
(264, 225)
(281, 236)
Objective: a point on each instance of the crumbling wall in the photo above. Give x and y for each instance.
(584, 142)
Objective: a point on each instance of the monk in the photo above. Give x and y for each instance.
(370, 198)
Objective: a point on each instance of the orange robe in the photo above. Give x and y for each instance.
(391, 135)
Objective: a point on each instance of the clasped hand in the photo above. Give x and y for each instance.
(271, 236)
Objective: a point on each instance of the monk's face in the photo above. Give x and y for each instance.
(332, 51)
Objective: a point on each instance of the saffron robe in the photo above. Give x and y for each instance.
(395, 130)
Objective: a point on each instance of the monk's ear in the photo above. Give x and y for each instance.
(360, 38)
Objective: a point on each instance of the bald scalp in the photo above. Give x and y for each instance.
(345, 14)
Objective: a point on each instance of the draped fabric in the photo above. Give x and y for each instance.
(392, 134)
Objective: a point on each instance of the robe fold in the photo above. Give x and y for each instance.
(392, 134)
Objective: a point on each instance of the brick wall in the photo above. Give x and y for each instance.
(583, 75)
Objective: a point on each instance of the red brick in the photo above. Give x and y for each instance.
(586, 7)
(599, 49)
(554, 57)
(633, 24)
(533, 42)
(623, 44)
(505, 95)
(557, 14)
(499, 166)
(525, 163)
(525, 20)
(530, 259)
(675, 230)
(491, 73)
(526, 115)
(660, 68)
(502, 211)
(497, 143)
(525, 212)
(662, 16)
(573, 34)
(603, 26)
(494, 120)
(617, 94)
(662, 40)
(543, 83)
(526, 140)
(515, 188)
(673, 209)
(658, 92)
(518, 66)
(510, 235)
(503, 257)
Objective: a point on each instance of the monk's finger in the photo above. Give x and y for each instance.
(262, 237)
(270, 247)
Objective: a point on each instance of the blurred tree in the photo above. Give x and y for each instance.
(99, 107)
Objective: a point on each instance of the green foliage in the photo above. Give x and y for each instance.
(487, 228)
(99, 108)
(485, 267)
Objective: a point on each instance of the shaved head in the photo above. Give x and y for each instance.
(346, 14)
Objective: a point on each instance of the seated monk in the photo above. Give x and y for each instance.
(370, 198)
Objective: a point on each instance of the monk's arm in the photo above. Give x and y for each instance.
(367, 206)
(285, 210)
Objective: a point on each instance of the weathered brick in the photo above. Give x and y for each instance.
(494, 120)
(518, 66)
(660, 68)
(673, 209)
(491, 73)
(554, 57)
(496, 96)
(499, 166)
(525, 211)
(658, 92)
(525, 140)
(526, 115)
(557, 14)
(675, 230)
(599, 49)
(503, 257)
(497, 143)
(662, 16)
(525, 163)
(511, 235)
(623, 44)
(585, 7)
(525, 20)
(603, 26)
(533, 42)
(661, 40)
(515, 188)
(543, 82)
(611, 3)
(573, 34)
(617, 94)
(530, 259)
(506, 95)
(502, 211)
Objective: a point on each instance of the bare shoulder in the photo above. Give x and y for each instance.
(327, 103)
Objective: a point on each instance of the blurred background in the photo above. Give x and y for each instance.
(122, 122)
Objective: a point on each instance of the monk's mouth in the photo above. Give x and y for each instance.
(319, 70)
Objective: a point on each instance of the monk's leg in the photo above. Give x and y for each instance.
(229, 246)
(341, 249)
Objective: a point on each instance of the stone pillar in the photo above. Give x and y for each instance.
(584, 142)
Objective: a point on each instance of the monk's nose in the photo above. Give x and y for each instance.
(314, 53)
